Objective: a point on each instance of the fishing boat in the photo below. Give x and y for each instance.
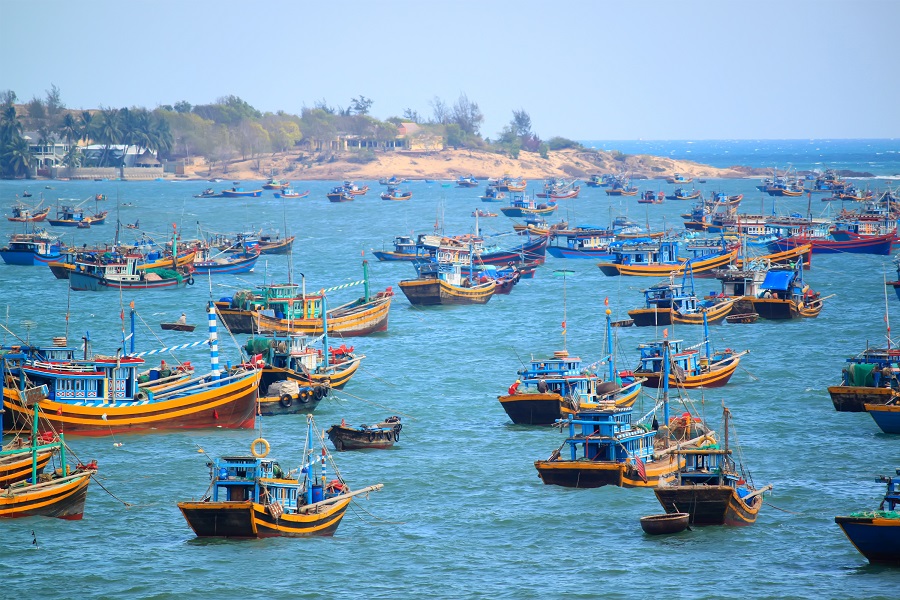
(668, 302)
(378, 436)
(392, 181)
(209, 193)
(491, 194)
(224, 263)
(252, 496)
(405, 249)
(339, 194)
(886, 416)
(598, 180)
(276, 184)
(393, 193)
(468, 181)
(868, 244)
(565, 194)
(533, 250)
(689, 368)
(236, 192)
(73, 216)
(783, 295)
(684, 194)
(871, 377)
(876, 533)
(120, 272)
(287, 307)
(441, 281)
(651, 197)
(179, 325)
(742, 318)
(660, 258)
(483, 213)
(711, 487)
(27, 491)
(106, 395)
(679, 178)
(29, 249)
(23, 213)
(551, 388)
(295, 357)
(354, 190)
(290, 193)
(522, 206)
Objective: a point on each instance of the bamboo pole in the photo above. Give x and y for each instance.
(315, 506)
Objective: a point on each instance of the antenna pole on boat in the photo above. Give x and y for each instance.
(213, 341)
(324, 331)
(131, 344)
(706, 335)
(887, 318)
(609, 344)
(665, 377)
(365, 279)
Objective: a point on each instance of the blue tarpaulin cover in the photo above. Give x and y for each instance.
(778, 281)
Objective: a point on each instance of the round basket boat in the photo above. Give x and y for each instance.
(662, 524)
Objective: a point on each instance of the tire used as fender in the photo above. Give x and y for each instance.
(190, 280)
(305, 397)
(286, 400)
(396, 435)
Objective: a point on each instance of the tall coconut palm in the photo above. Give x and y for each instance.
(109, 131)
(161, 135)
(69, 129)
(16, 159)
(10, 126)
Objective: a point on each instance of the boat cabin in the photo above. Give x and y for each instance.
(608, 435)
(683, 360)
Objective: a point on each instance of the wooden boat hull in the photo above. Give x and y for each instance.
(741, 317)
(532, 409)
(177, 326)
(714, 314)
(887, 417)
(17, 467)
(231, 405)
(33, 218)
(241, 194)
(390, 255)
(876, 538)
(232, 267)
(277, 247)
(848, 398)
(876, 244)
(665, 524)
(664, 270)
(251, 520)
(89, 282)
(709, 504)
(650, 317)
(303, 403)
(27, 258)
(516, 212)
(717, 376)
(62, 499)
(777, 309)
(348, 438)
(432, 292)
(593, 474)
(350, 320)
(784, 257)
(336, 379)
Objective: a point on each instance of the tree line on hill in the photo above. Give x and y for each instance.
(230, 127)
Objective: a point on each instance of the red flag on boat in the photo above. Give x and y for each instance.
(639, 467)
(563, 326)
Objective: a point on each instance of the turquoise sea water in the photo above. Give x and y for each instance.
(462, 512)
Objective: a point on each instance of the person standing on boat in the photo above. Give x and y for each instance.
(182, 320)
(542, 386)
(514, 388)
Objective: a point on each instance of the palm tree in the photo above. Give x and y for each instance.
(161, 135)
(16, 159)
(69, 129)
(10, 126)
(109, 131)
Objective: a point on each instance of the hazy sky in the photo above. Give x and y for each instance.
(583, 69)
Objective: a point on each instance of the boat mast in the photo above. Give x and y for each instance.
(725, 415)
(609, 343)
(324, 332)
(665, 377)
(887, 319)
(213, 341)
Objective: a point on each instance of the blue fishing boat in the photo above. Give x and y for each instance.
(73, 216)
(784, 295)
(102, 395)
(492, 194)
(224, 263)
(711, 487)
(585, 241)
(679, 178)
(441, 281)
(121, 272)
(662, 257)
(236, 192)
(688, 367)
(525, 206)
(396, 194)
(668, 302)
(468, 181)
(551, 388)
(886, 416)
(870, 377)
(29, 249)
(405, 249)
(876, 533)
(339, 194)
(253, 497)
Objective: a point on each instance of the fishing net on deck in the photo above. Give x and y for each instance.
(861, 375)
(877, 514)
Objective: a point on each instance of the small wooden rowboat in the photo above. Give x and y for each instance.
(177, 326)
(622, 323)
(663, 524)
(742, 318)
(380, 435)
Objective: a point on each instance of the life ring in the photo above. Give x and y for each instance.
(286, 401)
(305, 397)
(190, 280)
(256, 453)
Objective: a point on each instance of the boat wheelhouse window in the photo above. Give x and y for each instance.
(238, 493)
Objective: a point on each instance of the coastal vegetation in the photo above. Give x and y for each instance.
(230, 129)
